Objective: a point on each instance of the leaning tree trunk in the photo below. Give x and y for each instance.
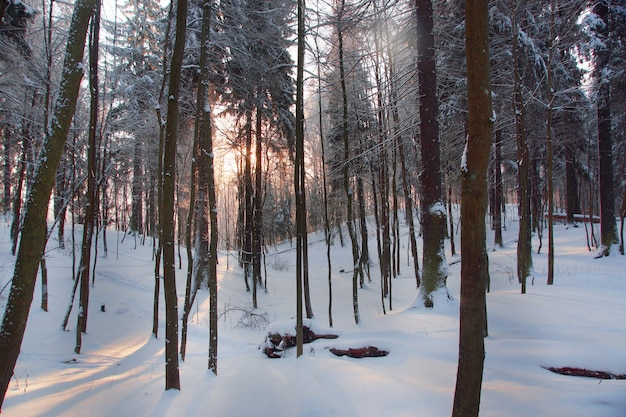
(33, 240)
(172, 378)
(474, 259)
(435, 267)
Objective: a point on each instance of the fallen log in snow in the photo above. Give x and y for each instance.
(276, 343)
(589, 373)
(362, 352)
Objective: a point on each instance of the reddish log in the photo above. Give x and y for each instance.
(589, 373)
(362, 352)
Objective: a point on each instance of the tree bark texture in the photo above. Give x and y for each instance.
(434, 268)
(172, 378)
(608, 229)
(474, 259)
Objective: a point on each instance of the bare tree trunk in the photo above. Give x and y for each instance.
(17, 199)
(257, 210)
(190, 284)
(608, 230)
(88, 224)
(474, 259)
(327, 227)
(524, 248)
(450, 216)
(298, 171)
(549, 162)
(160, 170)
(207, 182)
(435, 267)
(346, 170)
(622, 213)
(497, 189)
(364, 261)
(572, 202)
(7, 169)
(44, 284)
(172, 378)
(34, 231)
(248, 204)
(136, 211)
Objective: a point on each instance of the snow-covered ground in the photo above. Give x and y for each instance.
(579, 322)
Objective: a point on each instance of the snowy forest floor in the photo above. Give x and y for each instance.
(577, 322)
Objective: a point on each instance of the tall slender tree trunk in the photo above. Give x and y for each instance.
(298, 171)
(474, 258)
(195, 205)
(450, 217)
(364, 260)
(6, 168)
(34, 232)
(257, 209)
(88, 224)
(524, 248)
(497, 189)
(160, 171)
(136, 211)
(572, 201)
(549, 162)
(622, 212)
(327, 226)
(435, 267)
(172, 378)
(17, 199)
(248, 205)
(346, 171)
(206, 234)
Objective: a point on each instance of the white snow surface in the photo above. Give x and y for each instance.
(578, 322)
